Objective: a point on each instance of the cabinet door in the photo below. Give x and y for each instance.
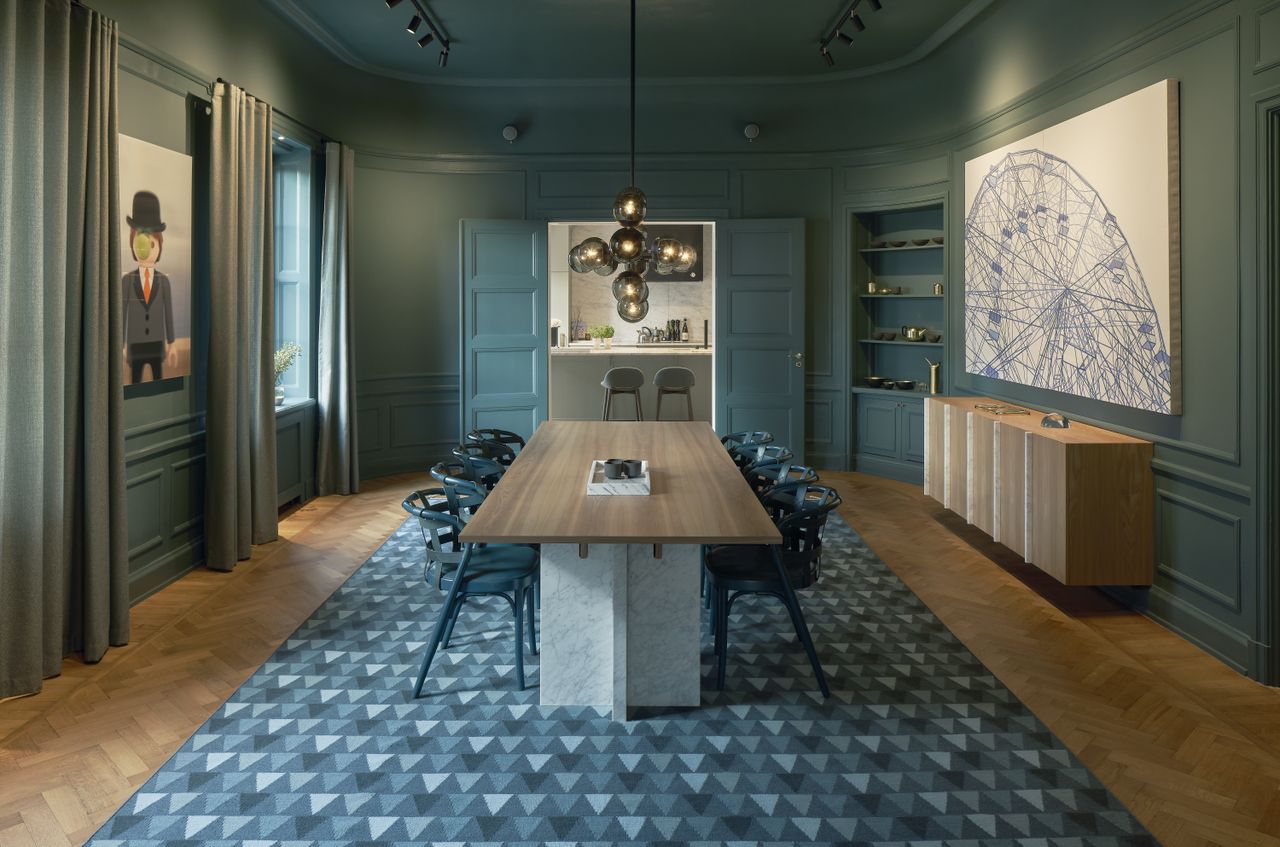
(878, 426)
(911, 431)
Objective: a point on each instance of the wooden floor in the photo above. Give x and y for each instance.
(1191, 747)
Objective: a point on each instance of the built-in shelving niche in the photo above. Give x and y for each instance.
(888, 424)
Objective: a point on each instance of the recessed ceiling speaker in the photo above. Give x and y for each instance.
(751, 131)
(510, 133)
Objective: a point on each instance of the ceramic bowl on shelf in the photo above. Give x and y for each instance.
(874, 381)
(885, 292)
(933, 337)
(888, 336)
(905, 384)
(937, 239)
(878, 244)
(920, 242)
(897, 244)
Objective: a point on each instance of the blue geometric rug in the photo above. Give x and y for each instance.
(918, 745)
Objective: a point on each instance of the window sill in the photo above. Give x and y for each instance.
(292, 404)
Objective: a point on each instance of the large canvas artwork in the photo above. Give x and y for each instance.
(155, 260)
(1071, 242)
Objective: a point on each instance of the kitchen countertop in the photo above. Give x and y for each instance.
(657, 348)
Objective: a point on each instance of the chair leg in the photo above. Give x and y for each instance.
(639, 413)
(533, 638)
(688, 402)
(450, 604)
(657, 413)
(453, 619)
(802, 628)
(519, 608)
(722, 636)
(604, 416)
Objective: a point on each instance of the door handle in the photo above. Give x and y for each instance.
(799, 359)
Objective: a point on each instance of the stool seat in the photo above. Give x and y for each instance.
(622, 381)
(674, 380)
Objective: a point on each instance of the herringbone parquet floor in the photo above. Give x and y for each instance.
(1190, 746)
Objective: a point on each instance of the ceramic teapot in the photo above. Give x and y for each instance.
(913, 333)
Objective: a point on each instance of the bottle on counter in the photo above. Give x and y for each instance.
(684, 331)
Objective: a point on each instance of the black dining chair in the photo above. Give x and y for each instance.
(775, 570)
(505, 437)
(478, 465)
(750, 456)
(502, 452)
(737, 439)
(466, 570)
(762, 478)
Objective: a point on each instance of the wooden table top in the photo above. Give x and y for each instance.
(1077, 433)
(698, 496)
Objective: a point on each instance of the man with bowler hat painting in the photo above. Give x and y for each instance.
(148, 302)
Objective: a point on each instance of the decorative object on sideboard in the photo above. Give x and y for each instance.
(1055, 420)
(284, 360)
(555, 333)
(629, 247)
(874, 381)
(905, 384)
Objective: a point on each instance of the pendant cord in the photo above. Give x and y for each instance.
(633, 92)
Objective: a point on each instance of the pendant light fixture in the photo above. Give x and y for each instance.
(628, 248)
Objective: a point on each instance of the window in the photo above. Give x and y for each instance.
(295, 286)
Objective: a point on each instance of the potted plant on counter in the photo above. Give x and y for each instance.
(601, 333)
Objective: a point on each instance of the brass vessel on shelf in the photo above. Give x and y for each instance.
(913, 333)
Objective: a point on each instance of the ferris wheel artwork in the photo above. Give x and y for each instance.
(1071, 243)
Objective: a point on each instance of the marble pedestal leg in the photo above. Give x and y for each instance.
(620, 628)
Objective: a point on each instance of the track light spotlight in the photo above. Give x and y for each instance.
(414, 23)
(827, 57)
(391, 4)
(858, 24)
(875, 5)
(426, 39)
(444, 58)
(844, 36)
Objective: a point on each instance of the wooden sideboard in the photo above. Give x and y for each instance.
(1077, 502)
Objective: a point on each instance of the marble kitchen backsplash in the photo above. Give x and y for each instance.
(592, 295)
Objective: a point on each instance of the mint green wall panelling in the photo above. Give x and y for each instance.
(806, 193)
(1267, 37)
(406, 311)
(1205, 459)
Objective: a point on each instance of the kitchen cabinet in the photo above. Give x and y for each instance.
(889, 438)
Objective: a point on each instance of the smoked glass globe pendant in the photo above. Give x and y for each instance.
(628, 248)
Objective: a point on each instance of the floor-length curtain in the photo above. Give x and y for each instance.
(337, 468)
(64, 566)
(240, 455)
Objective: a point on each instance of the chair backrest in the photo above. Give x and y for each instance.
(751, 456)
(738, 439)
(480, 467)
(763, 478)
(674, 378)
(501, 452)
(623, 379)
(464, 498)
(440, 529)
(500, 436)
(801, 511)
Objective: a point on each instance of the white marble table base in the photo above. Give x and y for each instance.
(620, 628)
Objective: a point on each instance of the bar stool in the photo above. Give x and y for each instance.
(674, 381)
(622, 381)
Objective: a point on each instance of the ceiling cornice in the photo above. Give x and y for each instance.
(304, 19)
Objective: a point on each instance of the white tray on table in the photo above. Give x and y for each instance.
(597, 483)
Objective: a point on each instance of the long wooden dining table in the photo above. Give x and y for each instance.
(620, 622)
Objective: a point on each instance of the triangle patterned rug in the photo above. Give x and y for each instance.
(918, 745)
